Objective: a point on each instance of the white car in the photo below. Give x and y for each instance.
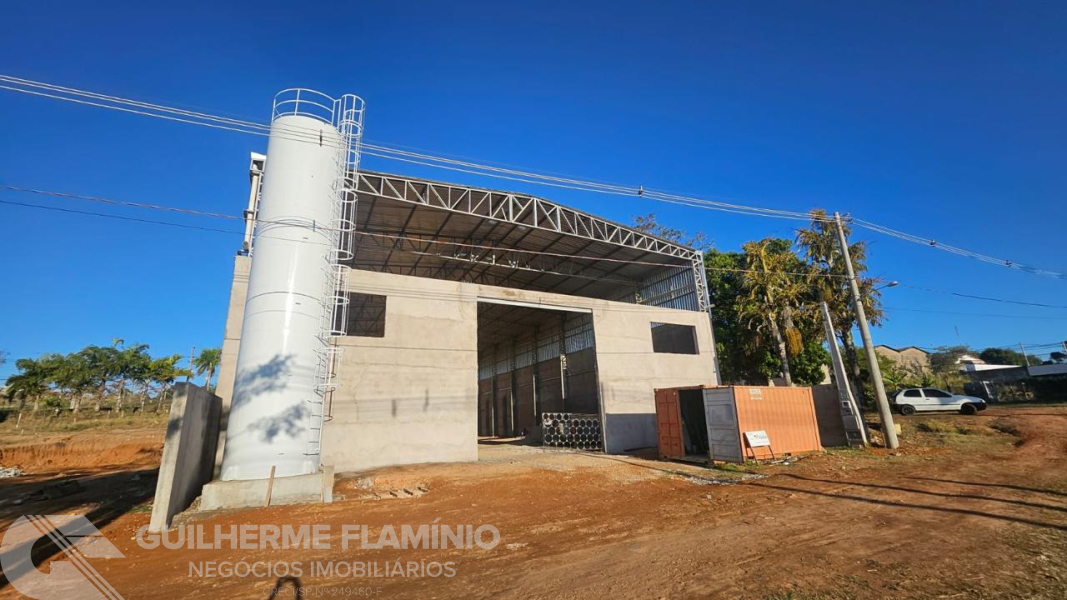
(911, 400)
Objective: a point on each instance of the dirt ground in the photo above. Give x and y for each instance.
(971, 507)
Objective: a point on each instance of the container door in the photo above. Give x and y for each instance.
(724, 437)
(669, 424)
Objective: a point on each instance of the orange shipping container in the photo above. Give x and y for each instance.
(778, 420)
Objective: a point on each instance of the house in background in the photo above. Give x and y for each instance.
(910, 358)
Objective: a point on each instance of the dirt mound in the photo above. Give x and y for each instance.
(80, 453)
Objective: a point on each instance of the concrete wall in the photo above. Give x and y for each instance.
(412, 395)
(828, 415)
(231, 341)
(186, 465)
(630, 372)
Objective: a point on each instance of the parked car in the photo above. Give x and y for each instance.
(911, 400)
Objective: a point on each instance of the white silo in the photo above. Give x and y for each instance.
(276, 414)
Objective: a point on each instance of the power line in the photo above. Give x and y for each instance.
(188, 211)
(118, 217)
(987, 298)
(969, 314)
(357, 233)
(196, 212)
(386, 152)
(436, 242)
(305, 135)
(932, 243)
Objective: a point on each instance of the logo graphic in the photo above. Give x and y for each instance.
(77, 538)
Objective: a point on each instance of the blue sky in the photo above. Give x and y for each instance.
(943, 119)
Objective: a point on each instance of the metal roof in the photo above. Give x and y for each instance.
(523, 242)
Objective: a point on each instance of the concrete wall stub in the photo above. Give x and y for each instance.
(188, 452)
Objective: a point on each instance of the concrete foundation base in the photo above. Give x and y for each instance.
(316, 487)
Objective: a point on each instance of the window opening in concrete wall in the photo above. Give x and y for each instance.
(674, 339)
(366, 315)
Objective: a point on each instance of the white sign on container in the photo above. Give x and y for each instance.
(757, 439)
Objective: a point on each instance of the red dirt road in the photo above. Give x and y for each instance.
(974, 507)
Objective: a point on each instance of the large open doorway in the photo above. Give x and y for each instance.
(532, 362)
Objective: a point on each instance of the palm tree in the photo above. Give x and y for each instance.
(164, 371)
(773, 296)
(820, 248)
(208, 362)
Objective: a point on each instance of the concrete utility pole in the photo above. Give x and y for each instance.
(853, 416)
(192, 357)
(889, 430)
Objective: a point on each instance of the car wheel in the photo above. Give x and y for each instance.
(968, 409)
(907, 409)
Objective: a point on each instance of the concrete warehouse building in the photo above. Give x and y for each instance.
(469, 312)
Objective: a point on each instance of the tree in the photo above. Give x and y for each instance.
(828, 277)
(97, 364)
(773, 294)
(30, 383)
(207, 362)
(945, 364)
(807, 365)
(946, 359)
(742, 356)
(1058, 357)
(894, 376)
(98, 373)
(133, 365)
(1002, 356)
(648, 224)
(163, 372)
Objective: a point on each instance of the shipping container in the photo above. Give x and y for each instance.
(736, 423)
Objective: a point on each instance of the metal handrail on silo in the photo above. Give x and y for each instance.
(345, 115)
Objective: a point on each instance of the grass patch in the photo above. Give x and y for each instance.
(141, 509)
(946, 428)
(1004, 427)
(83, 421)
(935, 427)
(747, 467)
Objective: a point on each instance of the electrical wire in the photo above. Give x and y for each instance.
(195, 212)
(436, 242)
(391, 153)
(969, 314)
(975, 297)
(118, 217)
(386, 152)
(932, 243)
